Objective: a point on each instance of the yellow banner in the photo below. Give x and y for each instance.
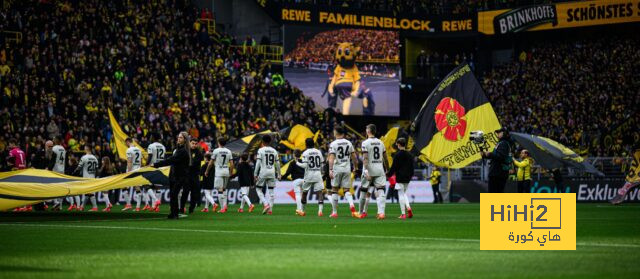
(527, 221)
(556, 16)
(119, 139)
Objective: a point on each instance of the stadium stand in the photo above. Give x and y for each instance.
(145, 61)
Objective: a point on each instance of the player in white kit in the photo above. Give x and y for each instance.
(341, 154)
(88, 166)
(375, 164)
(134, 162)
(222, 158)
(59, 162)
(156, 152)
(312, 162)
(266, 172)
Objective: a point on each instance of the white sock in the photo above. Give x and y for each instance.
(145, 198)
(208, 196)
(349, 197)
(320, 207)
(406, 201)
(381, 200)
(129, 196)
(246, 200)
(298, 193)
(361, 201)
(366, 203)
(94, 202)
(223, 199)
(137, 199)
(401, 201)
(107, 202)
(70, 200)
(152, 194)
(334, 203)
(261, 196)
(83, 199)
(272, 197)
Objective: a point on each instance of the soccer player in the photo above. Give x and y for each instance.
(296, 172)
(375, 163)
(266, 172)
(134, 162)
(244, 172)
(222, 159)
(341, 156)
(402, 168)
(16, 155)
(632, 179)
(57, 164)
(156, 153)
(312, 162)
(89, 167)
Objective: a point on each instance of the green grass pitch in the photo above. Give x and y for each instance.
(440, 241)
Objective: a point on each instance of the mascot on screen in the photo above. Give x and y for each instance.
(346, 82)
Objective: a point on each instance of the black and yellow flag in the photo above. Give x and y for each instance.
(456, 107)
(247, 144)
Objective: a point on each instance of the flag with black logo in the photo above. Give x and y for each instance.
(454, 108)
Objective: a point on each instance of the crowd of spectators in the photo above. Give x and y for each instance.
(576, 92)
(321, 47)
(147, 61)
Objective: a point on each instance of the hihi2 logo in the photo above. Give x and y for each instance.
(527, 221)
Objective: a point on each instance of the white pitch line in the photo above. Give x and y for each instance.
(301, 234)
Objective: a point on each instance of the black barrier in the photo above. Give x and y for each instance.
(586, 190)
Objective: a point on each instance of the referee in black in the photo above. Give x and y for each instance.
(180, 162)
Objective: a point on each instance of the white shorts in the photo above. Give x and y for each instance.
(376, 181)
(268, 182)
(221, 182)
(341, 179)
(316, 186)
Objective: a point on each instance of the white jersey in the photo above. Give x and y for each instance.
(60, 158)
(267, 162)
(89, 165)
(156, 152)
(312, 164)
(135, 155)
(375, 155)
(342, 150)
(221, 158)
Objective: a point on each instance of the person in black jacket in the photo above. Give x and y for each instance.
(402, 168)
(180, 162)
(193, 187)
(500, 164)
(244, 172)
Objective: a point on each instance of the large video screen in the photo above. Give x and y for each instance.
(354, 71)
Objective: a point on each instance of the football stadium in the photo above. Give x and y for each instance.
(319, 139)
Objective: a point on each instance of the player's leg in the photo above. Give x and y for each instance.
(260, 188)
(406, 201)
(622, 192)
(94, 202)
(208, 196)
(128, 195)
(82, 200)
(196, 197)
(297, 190)
(107, 202)
(402, 199)
(381, 198)
(245, 197)
(346, 183)
(218, 184)
(151, 193)
(271, 184)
